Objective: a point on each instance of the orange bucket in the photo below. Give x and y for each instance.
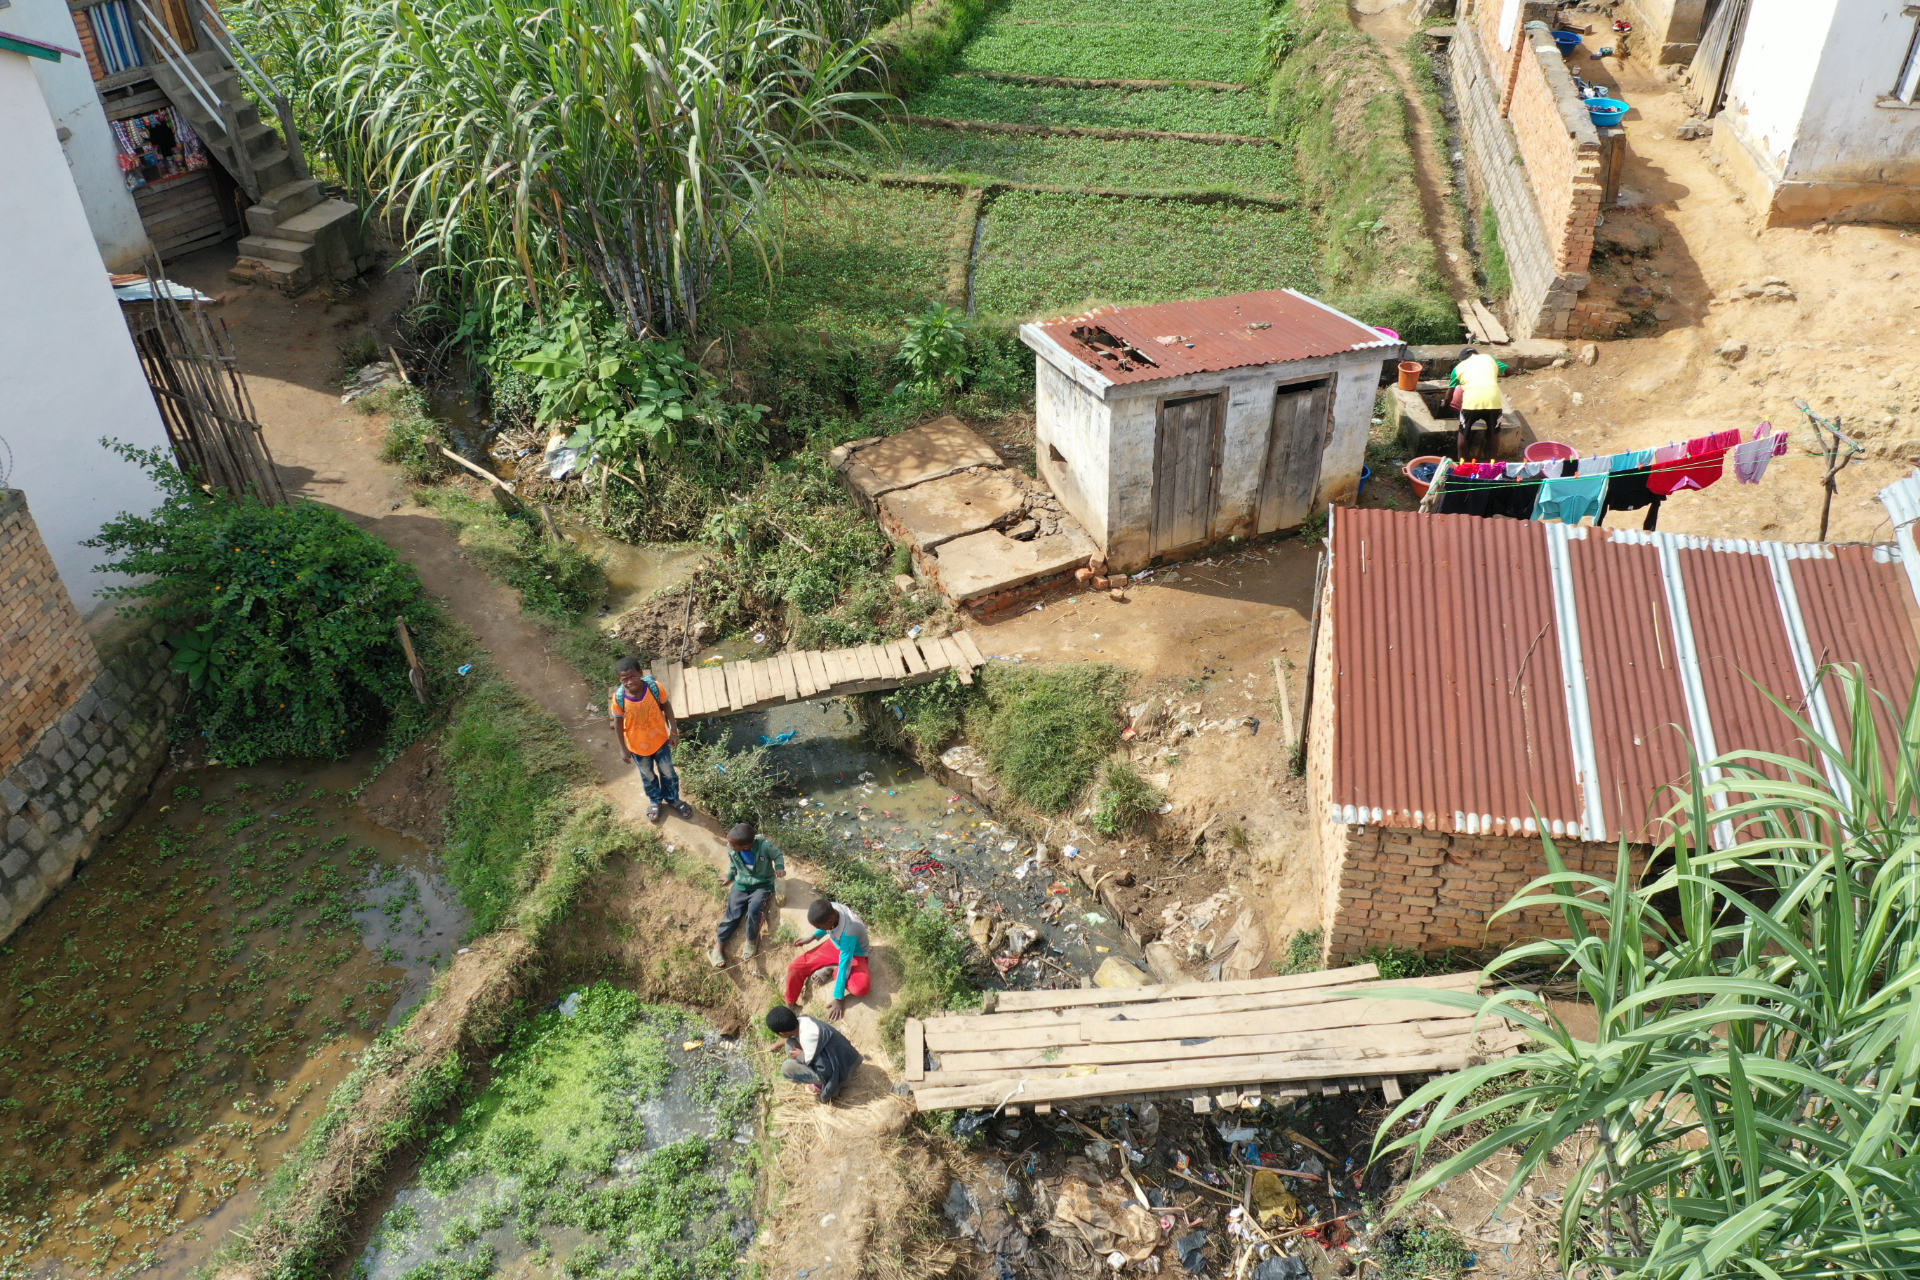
(1409, 375)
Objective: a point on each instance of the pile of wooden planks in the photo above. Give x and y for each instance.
(750, 685)
(1213, 1043)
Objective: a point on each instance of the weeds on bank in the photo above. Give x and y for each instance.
(1124, 799)
(733, 786)
(1046, 730)
(554, 578)
(1303, 953)
(414, 437)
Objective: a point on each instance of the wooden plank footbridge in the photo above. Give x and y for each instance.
(755, 685)
(1217, 1045)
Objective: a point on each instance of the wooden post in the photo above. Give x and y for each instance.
(1836, 460)
(416, 674)
(1286, 702)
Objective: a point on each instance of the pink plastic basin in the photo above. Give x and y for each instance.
(1548, 450)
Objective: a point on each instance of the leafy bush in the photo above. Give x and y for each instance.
(1046, 729)
(1123, 800)
(1303, 953)
(734, 786)
(935, 348)
(284, 616)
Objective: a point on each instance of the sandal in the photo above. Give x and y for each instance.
(653, 813)
(682, 808)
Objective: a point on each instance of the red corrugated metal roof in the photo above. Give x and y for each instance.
(1173, 339)
(1478, 680)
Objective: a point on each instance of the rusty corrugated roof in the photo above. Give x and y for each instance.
(1173, 339)
(1486, 670)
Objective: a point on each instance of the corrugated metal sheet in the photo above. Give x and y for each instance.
(1488, 668)
(1173, 339)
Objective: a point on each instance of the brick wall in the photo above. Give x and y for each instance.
(83, 737)
(83, 31)
(1535, 157)
(47, 659)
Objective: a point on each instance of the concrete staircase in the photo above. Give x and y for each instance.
(297, 234)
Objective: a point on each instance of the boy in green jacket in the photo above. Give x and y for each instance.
(753, 861)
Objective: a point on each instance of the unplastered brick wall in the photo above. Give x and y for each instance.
(47, 658)
(78, 764)
(1548, 238)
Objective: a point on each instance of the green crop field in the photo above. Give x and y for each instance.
(1244, 15)
(1114, 51)
(1166, 110)
(1050, 254)
(1087, 162)
(855, 257)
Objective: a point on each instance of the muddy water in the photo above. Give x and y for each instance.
(889, 810)
(635, 571)
(175, 1019)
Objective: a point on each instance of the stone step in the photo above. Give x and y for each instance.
(309, 225)
(289, 277)
(275, 249)
(290, 198)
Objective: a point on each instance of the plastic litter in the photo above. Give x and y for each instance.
(690, 1045)
(466, 670)
(780, 739)
(1193, 1252)
(571, 1005)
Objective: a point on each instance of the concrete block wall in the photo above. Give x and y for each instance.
(46, 656)
(1535, 157)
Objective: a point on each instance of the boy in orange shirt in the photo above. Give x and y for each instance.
(643, 720)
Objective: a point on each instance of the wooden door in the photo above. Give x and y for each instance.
(1186, 460)
(1295, 444)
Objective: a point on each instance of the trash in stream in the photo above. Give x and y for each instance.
(779, 739)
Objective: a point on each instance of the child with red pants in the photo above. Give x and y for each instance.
(844, 951)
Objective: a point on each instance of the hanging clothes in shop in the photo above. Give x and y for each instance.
(157, 146)
(1571, 498)
(1750, 459)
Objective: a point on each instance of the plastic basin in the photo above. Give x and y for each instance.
(1548, 450)
(1567, 40)
(1366, 474)
(1420, 486)
(1385, 332)
(1607, 112)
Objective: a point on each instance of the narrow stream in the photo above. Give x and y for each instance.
(889, 810)
(177, 1017)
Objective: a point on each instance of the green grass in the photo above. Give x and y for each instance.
(1124, 800)
(1493, 255)
(512, 766)
(1167, 110)
(1114, 51)
(1302, 954)
(414, 436)
(1087, 162)
(1247, 15)
(557, 579)
(1052, 253)
(1047, 729)
(858, 260)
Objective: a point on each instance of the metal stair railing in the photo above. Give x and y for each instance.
(217, 107)
(215, 28)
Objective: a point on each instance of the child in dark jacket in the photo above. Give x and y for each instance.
(754, 864)
(818, 1056)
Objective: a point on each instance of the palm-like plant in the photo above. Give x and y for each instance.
(1749, 1096)
(632, 140)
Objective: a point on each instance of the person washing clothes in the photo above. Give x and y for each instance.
(844, 951)
(753, 862)
(1478, 377)
(817, 1055)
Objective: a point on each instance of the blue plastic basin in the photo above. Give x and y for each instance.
(1607, 112)
(1567, 40)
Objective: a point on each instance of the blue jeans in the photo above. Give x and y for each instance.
(658, 777)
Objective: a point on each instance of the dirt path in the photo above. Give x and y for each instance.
(289, 350)
(1390, 30)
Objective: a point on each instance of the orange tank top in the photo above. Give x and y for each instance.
(644, 725)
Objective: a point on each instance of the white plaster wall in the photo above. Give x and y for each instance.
(1767, 97)
(1355, 392)
(66, 358)
(92, 157)
(1135, 422)
(1073, 420)
(1846, 134)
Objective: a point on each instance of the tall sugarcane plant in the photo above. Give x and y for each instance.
(632, 141)
(1747, 1105)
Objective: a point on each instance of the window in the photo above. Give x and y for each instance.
(1909, 87)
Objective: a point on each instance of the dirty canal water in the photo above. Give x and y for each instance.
(614, 1139)
(634, 572)
(945, 845)
(176, 1018)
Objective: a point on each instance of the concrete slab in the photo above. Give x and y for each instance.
(939, 511)
(981, 564)
(939, 448)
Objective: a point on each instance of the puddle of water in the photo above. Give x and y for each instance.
(604, 1145)
(635, 571)
(180, 1013)
(888, 809)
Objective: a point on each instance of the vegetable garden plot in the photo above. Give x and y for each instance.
(1117, 51)
(1166, 110)
(854, 257)
(1054, 253)
(1089, 162)
(1244, 15)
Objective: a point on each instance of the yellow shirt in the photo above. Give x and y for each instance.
(1480, 376)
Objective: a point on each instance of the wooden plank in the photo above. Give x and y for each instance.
(959, 660)
(1043, 1109)
(1329, 1088)
(1202, 1103)
(1355, 1041)
(803, 681)
(1226, 1099)
(763, 687)
(1313, 1017)
(712, 690)
(866, 663)
(788, 680)
(964, 639)
(916, 664)
(892, 665)
(1489, 323)
(821, 682)
(1181, 1079)
(739, 684)
(1014, 1000)
(934, 654)
(989, 1025)
(916, 1039)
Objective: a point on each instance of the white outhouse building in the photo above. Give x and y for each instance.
(1163, 428)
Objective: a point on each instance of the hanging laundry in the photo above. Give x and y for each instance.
(1569, 498)
(1698, 466)
(1750, 459)
(1599, 466)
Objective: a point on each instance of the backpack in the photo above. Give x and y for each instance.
(653, 687)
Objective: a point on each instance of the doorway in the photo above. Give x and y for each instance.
(1186, 464)
(1295, 443)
